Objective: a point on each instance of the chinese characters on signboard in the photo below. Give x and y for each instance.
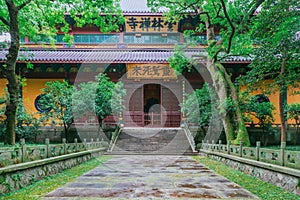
(150, 71)
(149, 24)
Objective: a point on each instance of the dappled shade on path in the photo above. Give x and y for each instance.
(145, 176)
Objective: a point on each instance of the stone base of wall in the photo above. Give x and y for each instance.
(21, 176)
(285, 181)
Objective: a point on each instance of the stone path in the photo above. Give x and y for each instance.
(150, 177)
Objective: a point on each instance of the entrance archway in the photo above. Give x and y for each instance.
(152, 105)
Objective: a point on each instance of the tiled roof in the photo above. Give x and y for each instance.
(137, 6)
(106, 56)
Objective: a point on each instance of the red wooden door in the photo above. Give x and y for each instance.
(171, 115)
(134, 112)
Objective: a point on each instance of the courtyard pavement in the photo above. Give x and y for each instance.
(150, 177)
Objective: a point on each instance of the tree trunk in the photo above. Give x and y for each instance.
(281, 103)
(66, 131)
(219, 85)
(281, 114)
(222, 84)
(242, 133)
(13, 83)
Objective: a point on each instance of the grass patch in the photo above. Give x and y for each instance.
(256, 186)
(50, 183)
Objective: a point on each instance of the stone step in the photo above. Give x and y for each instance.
(152, 141)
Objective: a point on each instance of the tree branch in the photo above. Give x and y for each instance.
(23, 4)
(231, 25)
(4, 21)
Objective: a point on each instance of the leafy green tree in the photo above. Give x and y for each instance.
(42, 17)
(102, 98)
(104, 93)
(117, 99)
(277, 51)
(84, 99)
(197, 106)
(28, 126)
(231, 18)
(58, 96)
(293, 111)
(262, 111)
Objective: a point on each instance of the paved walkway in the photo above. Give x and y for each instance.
(150, 177)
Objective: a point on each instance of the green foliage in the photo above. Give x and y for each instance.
(58, 97)
(117, 100)
(102, 98)
(43, 17)
(179, 61)
(46, 18)
(197, 106)
(28, 126)
(262, 111)
(230, 19)
(104, 94)
(109, 97)
(293, 111)
(276, 55)
(84, 99)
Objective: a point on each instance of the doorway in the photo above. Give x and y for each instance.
(152, 105)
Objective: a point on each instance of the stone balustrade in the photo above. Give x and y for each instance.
(25, 153)
(280, 156)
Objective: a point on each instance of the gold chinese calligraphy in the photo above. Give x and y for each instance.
(149, 24)
(150, 71)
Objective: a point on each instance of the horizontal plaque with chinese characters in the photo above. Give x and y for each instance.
(150, 71)
(149, 24)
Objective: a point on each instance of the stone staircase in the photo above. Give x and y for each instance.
(171, 141)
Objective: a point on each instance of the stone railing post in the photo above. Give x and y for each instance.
(257, 150)
(203, 145)
(212, 145)
(282, 152)
(241, 149)
(23, 150)
(84, 143)
(228, 146)
(97, 144)
(76, 144)
(92, 143)
(220, 144)
(64, 141)
(47, 142)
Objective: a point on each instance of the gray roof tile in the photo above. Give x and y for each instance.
(106, 56)
(137, 6)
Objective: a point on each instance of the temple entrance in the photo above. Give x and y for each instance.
(152, 105)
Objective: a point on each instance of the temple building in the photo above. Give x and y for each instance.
(137, 54)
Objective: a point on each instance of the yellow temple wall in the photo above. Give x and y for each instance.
(274, 99)
(2, 86)
(31, 90)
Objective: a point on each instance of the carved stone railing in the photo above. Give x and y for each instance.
(114, 137)
(280, 156)
(189, 136)
(24, 153)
